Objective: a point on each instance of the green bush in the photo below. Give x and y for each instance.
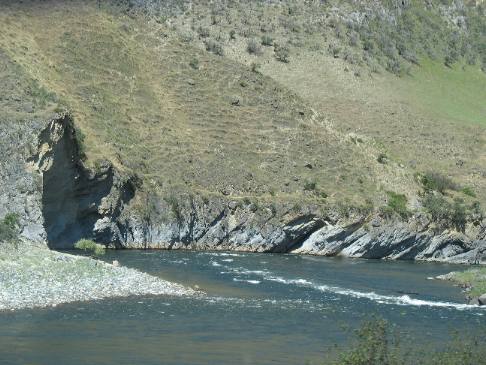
(377, 343)
(214, 47)
(376, 346)
(194, 63)
(446, 214)
(92, 247)
(8, 228)
(310, 185)
(254, 48)
(267, 40)
(398, 203)
(434, 181)
(79, 137)
(282, 53)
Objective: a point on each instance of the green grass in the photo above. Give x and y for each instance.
(473, 278)
(456, 93)
(90, 246)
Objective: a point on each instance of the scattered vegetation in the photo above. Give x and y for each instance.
(397, 203)
(446, 214)
(91, 247)
(434, 181)
(174, 206)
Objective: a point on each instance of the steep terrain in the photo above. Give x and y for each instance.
(227, 126)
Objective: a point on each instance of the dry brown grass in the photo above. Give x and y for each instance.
(220, 128)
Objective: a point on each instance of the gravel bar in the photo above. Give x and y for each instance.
(37, 277)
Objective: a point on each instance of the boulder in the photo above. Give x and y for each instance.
(474, 301)
(482, 299)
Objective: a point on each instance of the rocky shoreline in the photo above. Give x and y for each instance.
(33, 277)
(472, 282)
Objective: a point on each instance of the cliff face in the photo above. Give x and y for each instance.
(45, 182)
(60, 200)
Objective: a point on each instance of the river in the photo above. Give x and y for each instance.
(259, 309)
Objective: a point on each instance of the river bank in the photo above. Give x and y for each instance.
(33, 277)
(473, 283)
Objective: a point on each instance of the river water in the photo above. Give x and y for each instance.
(259, 309)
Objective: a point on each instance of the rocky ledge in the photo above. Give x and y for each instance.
(36, 277)
(59, 200)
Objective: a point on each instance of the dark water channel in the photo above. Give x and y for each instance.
(260, 309)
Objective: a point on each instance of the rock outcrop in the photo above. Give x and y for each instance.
(59, 201)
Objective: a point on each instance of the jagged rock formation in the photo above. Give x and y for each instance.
(60, 201)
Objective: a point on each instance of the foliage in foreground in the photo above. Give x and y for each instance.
(92, 247)
(378, 344)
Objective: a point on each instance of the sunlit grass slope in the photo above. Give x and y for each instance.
(183, 118)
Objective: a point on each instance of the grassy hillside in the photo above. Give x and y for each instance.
(182, 117)
(270, 101)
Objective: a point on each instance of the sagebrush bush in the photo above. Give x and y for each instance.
(214, 47)
(267, 40)
(254, 48)
(282, 53)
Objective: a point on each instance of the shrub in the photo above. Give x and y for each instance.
(203, 32)
(214, 47)
(434, 181)
(232, 34)
(398, 203)
(282, 53)
(194, 63)
(379, 344)
(79, 137)
(90, 246)
(445, 213)
(253, 47)
(310, 185)
(376, 345)
(8, 228)
(382, 158)
(267, 40)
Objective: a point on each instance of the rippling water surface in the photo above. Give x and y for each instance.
(259, 309)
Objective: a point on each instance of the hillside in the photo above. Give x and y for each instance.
(301, 111)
